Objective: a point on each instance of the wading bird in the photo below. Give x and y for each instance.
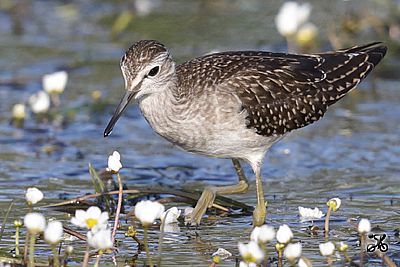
(235, 105)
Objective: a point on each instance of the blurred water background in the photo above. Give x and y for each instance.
(352, 153)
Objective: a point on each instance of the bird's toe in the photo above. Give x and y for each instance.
(205, 201)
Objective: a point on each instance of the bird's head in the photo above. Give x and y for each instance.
(147, 68)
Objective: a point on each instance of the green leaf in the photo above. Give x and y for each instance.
(98, 184)
(5, 219)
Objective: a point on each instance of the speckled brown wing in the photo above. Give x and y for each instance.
(283, 92)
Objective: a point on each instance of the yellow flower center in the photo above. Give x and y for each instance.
(279, 247)
(91, 223)
(216, 259)
(343, 247)
(332, 204)
(248, 257)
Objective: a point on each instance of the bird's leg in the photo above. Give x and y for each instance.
(208, 196)
(260, 211)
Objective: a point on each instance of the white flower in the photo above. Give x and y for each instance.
(303, 263)
(170, 228)
(18, 111)
(334, 203)
(222, 253)
(364, 226)
(327, 248)
(33, 195)
(292, 251)
(245, 264)
(39, 102)
(53, 232)
(114, 163)
(55, 83)
(307, 214)
(100, 239)
(306, 34)
(148, 211)
(35, 223)
(145, 7)
(171, 215)
(291, 16)
(284, 234)
(90, 218)
(251, 252)
(187, 213)
(263, 234)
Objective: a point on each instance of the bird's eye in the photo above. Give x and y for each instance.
(153, 72)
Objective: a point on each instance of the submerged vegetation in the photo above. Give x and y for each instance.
(101, 235)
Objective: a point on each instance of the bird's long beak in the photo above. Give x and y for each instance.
(118, 112)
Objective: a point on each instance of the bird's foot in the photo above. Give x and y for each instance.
(259, 214)
(205, 201)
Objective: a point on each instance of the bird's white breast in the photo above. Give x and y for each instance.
(211, 125)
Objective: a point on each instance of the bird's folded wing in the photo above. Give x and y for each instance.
(285, 92)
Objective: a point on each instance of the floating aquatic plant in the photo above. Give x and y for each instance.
(35, 223)
(53, 234)
(17, 224)
(33, 196)
(171, 215)
(333, 205)
(251, 252)
(292, 252)
(100, 236)
(114, 165)
(292, 23)
(284, 234)
(147, 212)
(39, 102)
(327, 249)
(307, 214)
(114, 162)
(263, 234)
(18, 115)
(92, 217)
(54, 84)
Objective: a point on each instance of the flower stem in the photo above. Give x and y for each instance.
(291, 48)
(55, 98)
(362, 247)
(160, 240)
(56, 260)
(280, 258)
(26, 247)
(146, 246)
(346, 255)
(96, 264)
(27, 238)
(86, 256)
(32, 251)
(328, 214)
(385, 259)
(329, 260)
(264, 246)
(17, 252)
(118, 211)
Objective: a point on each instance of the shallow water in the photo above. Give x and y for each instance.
(352, 153)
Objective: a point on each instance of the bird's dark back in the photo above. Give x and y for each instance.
(281, 92)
